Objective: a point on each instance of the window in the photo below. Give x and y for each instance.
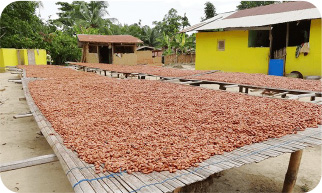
(221, 45)
(299, 32)
(258, 38)
(123, 49)
(92, 49)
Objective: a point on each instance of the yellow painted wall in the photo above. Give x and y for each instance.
(23, 56)
(237, 57)
(9, 57)
(311, 64)
(40, 57)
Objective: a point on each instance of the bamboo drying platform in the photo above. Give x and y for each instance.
(138, 74)
(243, 88)
(83, 178)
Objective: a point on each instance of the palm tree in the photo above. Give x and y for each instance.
(149, 36)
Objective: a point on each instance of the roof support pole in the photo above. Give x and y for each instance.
(270, 42)
(291, 174)
(286, 44)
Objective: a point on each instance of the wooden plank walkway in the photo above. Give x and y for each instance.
(83, 178)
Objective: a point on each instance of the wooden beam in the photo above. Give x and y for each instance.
(22, 98)
(291, 174)
(16, 72)
(28, 162)
(22, 115)
(231, 86)
(15, 80)
(302, 95)
(280, 94)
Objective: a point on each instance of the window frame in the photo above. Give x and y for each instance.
(218, 45)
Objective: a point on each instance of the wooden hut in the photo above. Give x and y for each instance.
(111, 49)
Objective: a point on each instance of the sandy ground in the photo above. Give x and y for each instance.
(20, 140)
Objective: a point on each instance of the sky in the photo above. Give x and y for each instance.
(131, 11)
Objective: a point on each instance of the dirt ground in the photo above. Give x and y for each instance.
(20, 140)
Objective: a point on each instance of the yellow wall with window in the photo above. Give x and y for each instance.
(9, 57)
(237, 56)
(311, 64)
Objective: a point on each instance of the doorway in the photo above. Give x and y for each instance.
(105, 55)
(278, 49)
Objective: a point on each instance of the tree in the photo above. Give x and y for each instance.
(91, 14)
(171, 23)
(63, 47)
(250, 4)
(149, 36)
(210, 11)
(20, 26)
(86, 14)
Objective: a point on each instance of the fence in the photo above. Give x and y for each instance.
(182, 59)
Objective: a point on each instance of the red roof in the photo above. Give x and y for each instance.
(108, 38)
(273, 8)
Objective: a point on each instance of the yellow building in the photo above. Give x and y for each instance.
(250, 40)
(14, 57)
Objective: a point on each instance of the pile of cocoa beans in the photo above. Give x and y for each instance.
(145, 126)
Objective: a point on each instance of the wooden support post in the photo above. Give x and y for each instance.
(177, 190)
(222, 87)
(291, 174)
(246, 90)
(312, 98)
(241, 89)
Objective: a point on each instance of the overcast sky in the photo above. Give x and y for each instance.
(131, 11)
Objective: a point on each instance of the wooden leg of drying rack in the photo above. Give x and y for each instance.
(291, 174)
(177, 190)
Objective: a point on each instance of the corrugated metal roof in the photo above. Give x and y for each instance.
(260, 16)
(273, 8)
(218, 17)
(145, 47)
(263, 20)
(108, 38)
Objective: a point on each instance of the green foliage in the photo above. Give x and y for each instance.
(171, 23)
(20, 26)
(63, 47)
(210, 11)
(250, 4)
